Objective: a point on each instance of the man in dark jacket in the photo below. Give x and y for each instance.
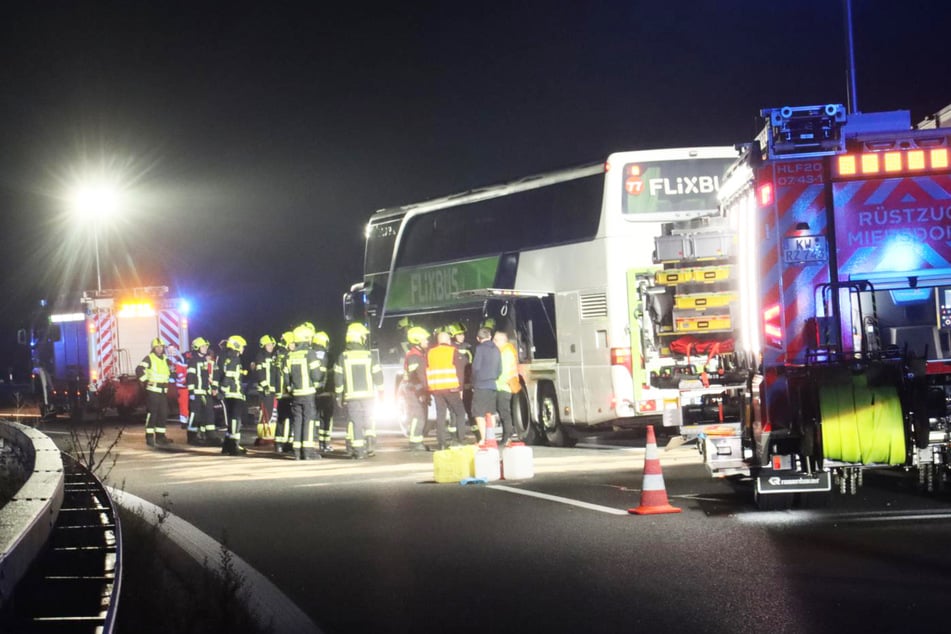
(486, 368)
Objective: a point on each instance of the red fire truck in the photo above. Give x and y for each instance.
(830, 350)
(85, 352)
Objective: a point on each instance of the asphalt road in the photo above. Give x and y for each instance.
(377, 546)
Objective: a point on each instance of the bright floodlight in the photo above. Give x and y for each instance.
(96, 200)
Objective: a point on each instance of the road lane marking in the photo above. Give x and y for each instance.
(266, 599)
(560, 500)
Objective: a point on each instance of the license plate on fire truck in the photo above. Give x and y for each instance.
(805, 249)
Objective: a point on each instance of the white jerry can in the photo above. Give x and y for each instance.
(517, 462)
(487, 464)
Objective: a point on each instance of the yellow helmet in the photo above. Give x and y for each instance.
(237, 342)
(302, 334)
(357, 333)
(405, 323)
(417, 335)
(157, 342)
(489, 323)
(457, 328)
(287, 337)
(198, 342)
(322, 339)
(267, 339)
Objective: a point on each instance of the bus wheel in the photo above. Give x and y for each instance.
(550, 419)
(522, 420)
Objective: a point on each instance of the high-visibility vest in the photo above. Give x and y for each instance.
(508, 379)
(156, 373)
(358, 370)
(302, 365)
(441, 369)
(199, 375)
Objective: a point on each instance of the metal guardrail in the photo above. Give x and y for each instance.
(74, 578)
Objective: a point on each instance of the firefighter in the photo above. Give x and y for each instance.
(154, 371)
(445, 368)
(357, 381)
(321, 344)
(267, 374)
(177, 388)
(282, 431)
(229, 376)
(305, 376)
(458, 332)
(201, 406)
(413, 387)
(506, 385)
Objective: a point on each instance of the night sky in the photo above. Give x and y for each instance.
(255, 140)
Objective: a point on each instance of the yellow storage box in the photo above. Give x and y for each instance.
(454, 464)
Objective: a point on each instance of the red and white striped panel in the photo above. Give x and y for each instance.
(106, 344)
(170, 328)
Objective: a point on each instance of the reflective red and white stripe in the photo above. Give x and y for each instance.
(105, 321)
(170, 328)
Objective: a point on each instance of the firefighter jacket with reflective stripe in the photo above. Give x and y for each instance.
(304, 371)
(229, 374)
(508, 379)
(267, 373)
(414, 371)
(280, 361)
(179, 368)
(445, 367)
(357, 374)
(199, 374)
(155, 372)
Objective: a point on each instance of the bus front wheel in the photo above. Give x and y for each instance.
(550, 419)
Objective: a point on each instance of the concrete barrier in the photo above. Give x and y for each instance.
(27, 520)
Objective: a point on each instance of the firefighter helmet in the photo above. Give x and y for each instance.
(489, 323)
(237, 343)
(405, 323)
(267, 339)
(357, 333)
(457, 328)
(302, 334)
(322, 339)
(157, 342)
(417, 335)
(198, 342)
(287, 337)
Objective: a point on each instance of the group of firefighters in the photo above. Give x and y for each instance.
(291, 373)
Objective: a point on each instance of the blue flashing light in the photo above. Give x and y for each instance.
(184, 306)
(905, 296)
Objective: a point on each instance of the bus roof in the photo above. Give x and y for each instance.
(492, 191)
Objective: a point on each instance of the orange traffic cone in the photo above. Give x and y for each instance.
(490, 441)
(653, 492)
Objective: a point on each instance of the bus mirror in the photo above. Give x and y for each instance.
(348, 307)
(22, 339)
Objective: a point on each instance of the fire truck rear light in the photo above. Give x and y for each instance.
(892, 161)
(765, 194)
(916, 160)
(870, 163)
(847, 165)
(939, 158)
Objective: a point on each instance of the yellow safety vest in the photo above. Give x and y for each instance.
(441, 368)
(508, 379)
(156, 373)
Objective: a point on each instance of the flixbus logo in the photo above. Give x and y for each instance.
(684, 185)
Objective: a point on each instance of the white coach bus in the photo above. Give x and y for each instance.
(546, 258)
